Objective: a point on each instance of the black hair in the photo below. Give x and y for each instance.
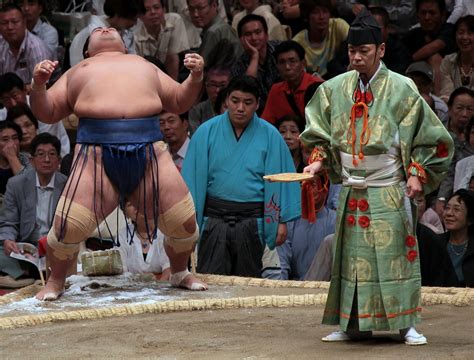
(459, 91)
(20, 110)
(468, 20)
(441, 4)
(382, 12)
(11, 6)
(11, 125)
(307, 7)
(246, 84)
(469, 126)
(45, 138)
(291, 117)
(287, 46)
(127, 9)
(9, 81)
(249, 18)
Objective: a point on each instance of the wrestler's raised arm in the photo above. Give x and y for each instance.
(179, 98)
(49, 106)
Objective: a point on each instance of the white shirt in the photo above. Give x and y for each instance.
(132, 254)
(172, 39)
(44, 206)
(178, 158)
(48, 34)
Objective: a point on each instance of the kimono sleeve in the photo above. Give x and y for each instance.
(431, 145)
(317, 134)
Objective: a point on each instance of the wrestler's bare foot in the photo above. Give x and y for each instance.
(186, 280)
(52, 291)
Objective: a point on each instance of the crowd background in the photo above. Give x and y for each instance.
(290, 47)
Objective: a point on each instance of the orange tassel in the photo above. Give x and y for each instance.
(421, 173)
(308, 210)
(352, 132)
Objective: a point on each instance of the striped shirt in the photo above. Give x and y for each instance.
(32, 51)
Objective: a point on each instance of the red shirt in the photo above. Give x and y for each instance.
(277, 104)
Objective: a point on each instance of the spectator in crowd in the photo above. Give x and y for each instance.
(324, 35)
(12, 161)
(217, 78)
(401, 12)
(461, 111)
(290, 129)
(433, 39)
(220, 45)
(33, 9)
(237, 211)
(465, 167)
(422, 74)
(119, 14)
(28, 207)
(258, 59)
(13, 92)
(429, 215)
(461, 8)
(160, 35)
(20, 50)
(287, 97)
(139, 253)
(275, 30)
(174, 128)
(288, 13)
(181, 7)
(457, 69)
(448, 259)
(24, 118)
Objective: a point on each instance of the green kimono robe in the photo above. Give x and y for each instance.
(376, 278)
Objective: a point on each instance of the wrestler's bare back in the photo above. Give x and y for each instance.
(115, 85)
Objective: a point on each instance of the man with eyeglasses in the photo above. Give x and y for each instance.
(217, 79)
(28, 209)
(220, 45)
(20, 50)
(287, 97)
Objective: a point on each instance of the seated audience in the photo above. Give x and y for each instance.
(174, 128)
(465, 167)
(160, 35)
(139, 253)
(28, 209)
(290, 129)
(433, 39)
(400, 12)
(457, 69)
(24, 118)
(33, 9)
(287, 97)
(275, 29)
(20, 50)
(258, 60)
(220, 45)
(13, 92)
(422, 75)
(323, 37)
(448, 259)
(217, 78)
(461, 111)
(288, 13)
(12, 161)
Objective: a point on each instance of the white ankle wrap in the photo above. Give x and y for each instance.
(177, 278)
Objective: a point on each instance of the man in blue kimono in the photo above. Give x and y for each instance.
(237, 211)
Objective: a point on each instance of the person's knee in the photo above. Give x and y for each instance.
(73, 224)
(178, 220)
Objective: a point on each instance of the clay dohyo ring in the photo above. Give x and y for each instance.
(288, 177)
